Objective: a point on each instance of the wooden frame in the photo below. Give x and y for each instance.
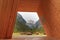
(49, 9)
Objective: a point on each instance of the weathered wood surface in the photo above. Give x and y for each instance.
(7, 17)
(50, 10)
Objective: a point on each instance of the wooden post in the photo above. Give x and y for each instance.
(7, 17)
(50, 10)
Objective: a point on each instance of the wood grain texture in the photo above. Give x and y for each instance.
(51, 12)
(47, 9)
(28, 5)
(7, 16)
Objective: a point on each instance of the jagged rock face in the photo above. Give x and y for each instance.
(23, 25)
(20, 18)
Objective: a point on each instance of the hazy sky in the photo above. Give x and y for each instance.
(29, 16)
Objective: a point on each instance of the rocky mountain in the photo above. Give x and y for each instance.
(20, 19)
(22, 25)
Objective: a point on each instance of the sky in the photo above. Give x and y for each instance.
(29, 16)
